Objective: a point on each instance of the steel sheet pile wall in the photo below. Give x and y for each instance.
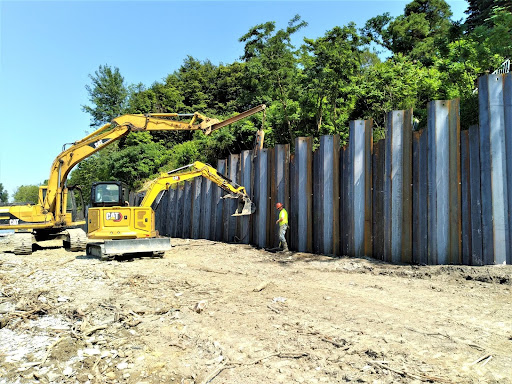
(326, 196)
(495, 100)
(358, 179)
(392, 190)
(420, 197)
(444, 241)
(246, 181)
(261, 189)
(302, 187)
(279, 187)
(435, 196)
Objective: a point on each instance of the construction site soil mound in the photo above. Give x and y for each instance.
(225, 313)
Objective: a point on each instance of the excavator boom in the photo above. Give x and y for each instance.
(196, 169)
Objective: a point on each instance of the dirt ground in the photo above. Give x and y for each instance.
(224, 313)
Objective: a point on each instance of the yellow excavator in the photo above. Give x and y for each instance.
(131, 230)
(56, 216)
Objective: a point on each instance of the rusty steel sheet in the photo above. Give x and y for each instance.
(317, 204)
(279, 159)
(187, 209)
(378, 159)
(444, 182)
(326, 202)
(179, 211)
(293, 216)
(206, 207)
(219, 204)
(345, 201)
(507, 101)
(360, 147)
(475, 196)
(261, 194)
(231, 204)
(304, 181)
(465, 198)
(399, 202)
(195, 213)
(420, 197)
(493, 159)
(493, 125)
(161, 214)
(245, 178)
(170, 208)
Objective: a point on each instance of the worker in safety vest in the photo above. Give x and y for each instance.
(283, 226)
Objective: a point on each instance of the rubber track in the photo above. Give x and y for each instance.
(77, 239)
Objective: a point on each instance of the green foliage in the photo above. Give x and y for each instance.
(108, 95)
(332, 64)
(27, 194)
(272, 62)
(136, 163)
(419, 33)
(4, 196)
(480, 12)
(394, 84)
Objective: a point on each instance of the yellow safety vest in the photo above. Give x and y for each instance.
(283, 215)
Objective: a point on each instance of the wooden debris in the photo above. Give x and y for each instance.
(90, 331)
(261, 286)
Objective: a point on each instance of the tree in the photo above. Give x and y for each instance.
(480, 12)
(273, 65)
(27, 194)
(108, 95)
(4, 196)
(419, 33)
(331, 66)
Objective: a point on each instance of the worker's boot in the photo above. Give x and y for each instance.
(285, 246)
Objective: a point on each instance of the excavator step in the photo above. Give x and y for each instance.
(76, 240)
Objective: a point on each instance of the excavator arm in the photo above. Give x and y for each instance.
(196, 169)
(119, 128)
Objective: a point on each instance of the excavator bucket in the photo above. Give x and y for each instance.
(245, 207)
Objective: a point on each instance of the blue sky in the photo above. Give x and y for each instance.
(48, 49)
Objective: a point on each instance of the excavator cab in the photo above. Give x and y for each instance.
(109, 194)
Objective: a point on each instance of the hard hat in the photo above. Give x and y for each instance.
(279, 205)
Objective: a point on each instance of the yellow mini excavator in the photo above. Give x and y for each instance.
(55, 216)
(131, 230)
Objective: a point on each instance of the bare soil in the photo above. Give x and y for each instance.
(225, 313)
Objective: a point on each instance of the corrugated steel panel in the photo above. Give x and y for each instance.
(187, 209)
(420, 197)
(466, 198)
(245, 177)
(378, 160)
(475, 196)
(170, 228)
(399, 170)
(206, 207)
(507, 101)
(444, 182)
(360, 147)
(493, 156)
(179, 211)
(231, 204)
(195, 225)
(303, 169)
(261, 189)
